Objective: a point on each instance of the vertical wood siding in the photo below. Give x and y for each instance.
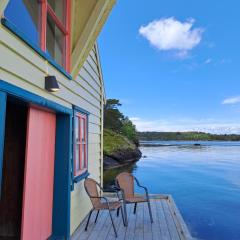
(26, 69)
(39, 175)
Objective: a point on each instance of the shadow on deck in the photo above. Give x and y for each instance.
(168, 223)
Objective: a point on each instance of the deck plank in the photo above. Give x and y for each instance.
(80, 233)
(139, 223)
(156, 230)
(122, 229)
(170, 222)
(130, 231)
(165, 235)
(98, 229)
(167, 223)
(119, 227)
(105, 228)
(147, 230)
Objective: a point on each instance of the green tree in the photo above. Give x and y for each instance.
(129, 130)
(117, 122)
(112, 116)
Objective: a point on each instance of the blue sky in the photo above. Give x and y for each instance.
(174, 65)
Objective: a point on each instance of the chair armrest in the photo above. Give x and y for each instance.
(99, 198)
(104, 198)
(145, 189)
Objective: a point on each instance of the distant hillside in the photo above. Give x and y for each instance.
(186, 136)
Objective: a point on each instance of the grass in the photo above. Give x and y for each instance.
(113, 142)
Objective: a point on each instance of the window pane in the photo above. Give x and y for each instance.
(55, 41)
(24, 14)
(83, 157)
(77, 129)
(59, 8)
(77, 154)
(80, 129)
(83, 130)
(85, 160)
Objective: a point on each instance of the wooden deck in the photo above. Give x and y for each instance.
(168, 223)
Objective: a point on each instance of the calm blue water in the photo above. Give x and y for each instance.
(203, 180)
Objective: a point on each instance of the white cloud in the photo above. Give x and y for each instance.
(181, 125)
(231, 100)
(209, 60)
(135, 119)
(170, 34)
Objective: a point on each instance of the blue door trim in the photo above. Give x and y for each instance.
(32, 98)
(3, 101)
(63, 153)
(62, 175)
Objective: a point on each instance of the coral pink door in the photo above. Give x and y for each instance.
(39, 175)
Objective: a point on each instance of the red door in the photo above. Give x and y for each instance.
(39, 175)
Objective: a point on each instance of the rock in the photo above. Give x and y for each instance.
(121, 157)
(109, 162)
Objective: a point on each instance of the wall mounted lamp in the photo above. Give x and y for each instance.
(51, 84)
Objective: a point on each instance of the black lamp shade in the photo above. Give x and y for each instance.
(51, 84)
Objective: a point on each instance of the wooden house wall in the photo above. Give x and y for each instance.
(25, 68)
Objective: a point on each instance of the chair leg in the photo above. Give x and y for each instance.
(96, 216)
(89, 216)
(122, 216)
(115, 231)
(135, 208)
(150, 211)
(125, 213)
(117, 212)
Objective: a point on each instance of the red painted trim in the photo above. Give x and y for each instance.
(82, 119)
(77, 172)
(85, 141)
(43, 23)
(80, 143)
(56, 20)
(65, 28)
(68, 36)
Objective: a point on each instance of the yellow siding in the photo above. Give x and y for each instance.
(3, 4)
(27, 70)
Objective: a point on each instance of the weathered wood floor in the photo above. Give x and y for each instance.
(168, 223)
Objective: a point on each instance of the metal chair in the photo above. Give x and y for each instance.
(92, 188)
(125, 182)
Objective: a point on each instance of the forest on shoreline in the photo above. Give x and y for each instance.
(186, 136)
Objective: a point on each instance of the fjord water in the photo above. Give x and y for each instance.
(203, 180)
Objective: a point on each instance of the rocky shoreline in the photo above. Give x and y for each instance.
(121, 157)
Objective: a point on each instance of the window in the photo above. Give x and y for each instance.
(46, 23)
(80, 153)
(25, 15)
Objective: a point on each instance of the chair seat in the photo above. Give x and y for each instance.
(112, 205)
(136, 199)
